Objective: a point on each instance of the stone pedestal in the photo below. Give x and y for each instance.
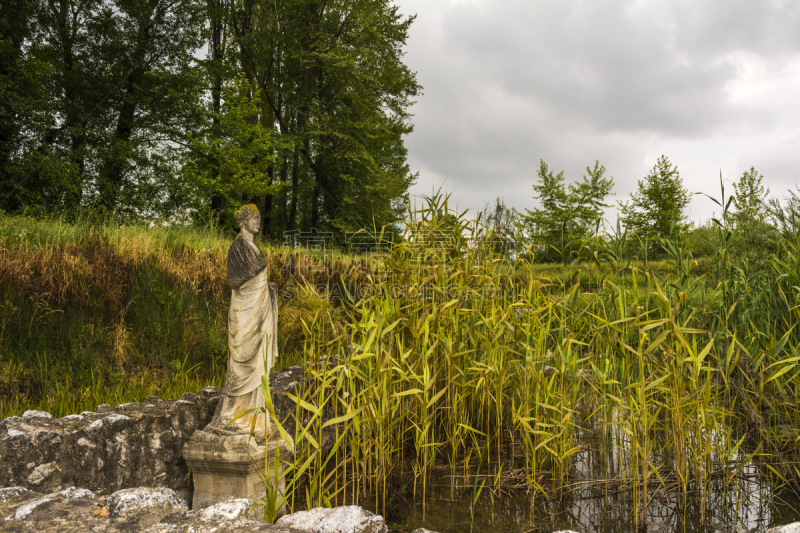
(224, 466)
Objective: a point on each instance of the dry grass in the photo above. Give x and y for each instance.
(111, 307)
(82, 274)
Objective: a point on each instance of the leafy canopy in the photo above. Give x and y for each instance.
(750, 198)
(567, 211)
(235, 160)
(657, 208)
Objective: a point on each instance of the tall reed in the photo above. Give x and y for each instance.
(466, 357)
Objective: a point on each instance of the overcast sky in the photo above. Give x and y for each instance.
(711, 84)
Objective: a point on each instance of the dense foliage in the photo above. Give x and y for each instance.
(566, 212)
(674, 347)
(645, 381)
(110, 107)
(657, 379)
(658, 207)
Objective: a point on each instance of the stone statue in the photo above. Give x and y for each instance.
(252, 331)
(223, 458)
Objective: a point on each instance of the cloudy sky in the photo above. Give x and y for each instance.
(712, 84)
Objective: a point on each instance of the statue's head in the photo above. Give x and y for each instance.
(248, 217)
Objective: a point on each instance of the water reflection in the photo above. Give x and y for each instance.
(743, 506)
(597, 497)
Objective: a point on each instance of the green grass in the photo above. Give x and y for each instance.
(95, 314)
(687, 374)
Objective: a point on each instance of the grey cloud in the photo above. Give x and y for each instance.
(561, 82)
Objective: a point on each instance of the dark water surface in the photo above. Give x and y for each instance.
(745, 506)
(591, 501)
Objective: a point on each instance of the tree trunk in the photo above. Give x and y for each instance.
(315, 203)
(216, 91)
(284, 197)
(111, 172)
(268, 205)
(72, 121)
(114, 166)
(292, 225)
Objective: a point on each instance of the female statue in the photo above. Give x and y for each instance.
(252, 330)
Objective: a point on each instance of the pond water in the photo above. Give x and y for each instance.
(592, 500)
(596, 497)
(745, 505)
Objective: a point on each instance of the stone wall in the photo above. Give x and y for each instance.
(131, 445)
(113, 448)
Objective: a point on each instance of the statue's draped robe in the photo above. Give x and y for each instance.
(252, 337)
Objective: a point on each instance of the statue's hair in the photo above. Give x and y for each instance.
(245, 212)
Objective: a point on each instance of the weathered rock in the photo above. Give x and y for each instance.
(422, 530)
(9, 493)
(24, 511)
(30, 415)
(79, 510)
(346, 519)
(134, 500)
(42, 472)
(107, 450)
(229, 510)
(788, 528)
(291, 380)
(159, 511)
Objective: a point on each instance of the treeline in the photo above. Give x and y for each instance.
(182, 109)
(571, 215)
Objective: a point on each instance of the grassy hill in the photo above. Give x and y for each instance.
(94, 314)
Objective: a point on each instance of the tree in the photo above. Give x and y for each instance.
(589, 196)
(750, 199)
(148, 47)
(98, 89)
(104, 102)
(501, 223)
(753, 233)
(331, 79)
(567, 212)
(44, 49)
(657, 208)
(20, 95)
(234, 162)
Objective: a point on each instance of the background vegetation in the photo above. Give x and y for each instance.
(95, 314)
(510, 344)
(183, 110)
(660, 378)
(642, 381)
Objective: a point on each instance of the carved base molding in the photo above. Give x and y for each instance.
(224, 466)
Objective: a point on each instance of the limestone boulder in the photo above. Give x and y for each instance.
(134, 500)
(139, 509)
(149, 510)
(345, 519)
(291, 380)
(131, 445)
(789, 528)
